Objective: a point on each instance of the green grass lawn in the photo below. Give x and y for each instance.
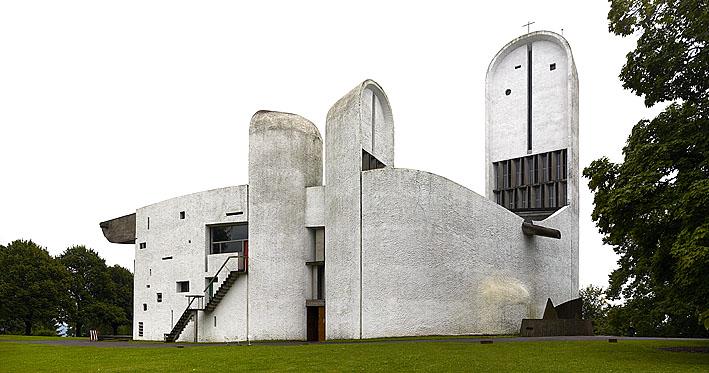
(585, 356)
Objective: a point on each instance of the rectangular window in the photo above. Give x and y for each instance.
(145, 307)
(182, 214)
(229, 238)
(551, 196)
(183, 286)
(143, 245)
(544, 167)
(159, 297)
(519, 174)
(140, 329)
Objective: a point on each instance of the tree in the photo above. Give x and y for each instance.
(670, 60)
(122, 284)
(653, 208)
(33, 286)
(90, 284)
(595, 307)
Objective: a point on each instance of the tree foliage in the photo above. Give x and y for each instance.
(32, 287)
(653, 208)
(594, 307)
(96, 299)
(670, 60)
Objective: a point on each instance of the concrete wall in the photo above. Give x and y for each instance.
(187, 242)
(285, 157)
(349, 131)
(439, 258)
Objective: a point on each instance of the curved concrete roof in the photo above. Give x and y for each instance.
(264, 120)
(530, 38)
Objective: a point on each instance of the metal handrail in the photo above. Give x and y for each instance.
(189, 305)
(220, 270)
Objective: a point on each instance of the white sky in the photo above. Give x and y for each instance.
(109, 106)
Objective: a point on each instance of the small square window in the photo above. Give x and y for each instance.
(143, 245)
(552, 67)
(145, 307)
(159, 297)
(183, 286)
(140, 329)
(182, 214)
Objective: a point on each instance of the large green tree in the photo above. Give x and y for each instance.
(653, 208)
(90, 289)
(122, 296)
(33, 286)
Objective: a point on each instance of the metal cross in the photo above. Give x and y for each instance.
(527, 25)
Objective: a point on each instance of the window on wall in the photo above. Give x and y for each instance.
(532, 182)
(229, 238)
(159, 297)
(140, 329)
(183, 286)
(143, 245)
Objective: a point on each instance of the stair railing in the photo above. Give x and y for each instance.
(241, 267)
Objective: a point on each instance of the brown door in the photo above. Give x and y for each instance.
(321, 324)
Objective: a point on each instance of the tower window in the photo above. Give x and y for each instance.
(143, 245)
(552, 67)
(508, 92)
(145, 307)
(182, 214)
(159, 297)
(517, 67)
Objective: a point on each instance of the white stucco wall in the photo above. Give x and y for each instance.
(285, 157)
(187, 242)
(439, 258)
(347, 121)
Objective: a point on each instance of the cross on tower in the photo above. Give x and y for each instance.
(527, 25)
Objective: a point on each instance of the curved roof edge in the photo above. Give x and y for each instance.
(266, 119)
(532, 37)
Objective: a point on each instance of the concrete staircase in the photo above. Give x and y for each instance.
(221, 293)
(213, 303)
(180, 325)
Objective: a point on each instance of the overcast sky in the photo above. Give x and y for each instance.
(109, 106)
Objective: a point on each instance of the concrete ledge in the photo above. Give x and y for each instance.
(119, 230)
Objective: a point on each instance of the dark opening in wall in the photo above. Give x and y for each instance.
(369, 162)
(140, 329)
(145, 307)
(148, 222)
(183, 286)
(234, 213)
(518, 66)
(159, 297)
(166, 258)
(182, 214)
(143, 245)
(552, 67)
(507, 92)
(215, 321)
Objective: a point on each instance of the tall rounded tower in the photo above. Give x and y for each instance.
(285, 157)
